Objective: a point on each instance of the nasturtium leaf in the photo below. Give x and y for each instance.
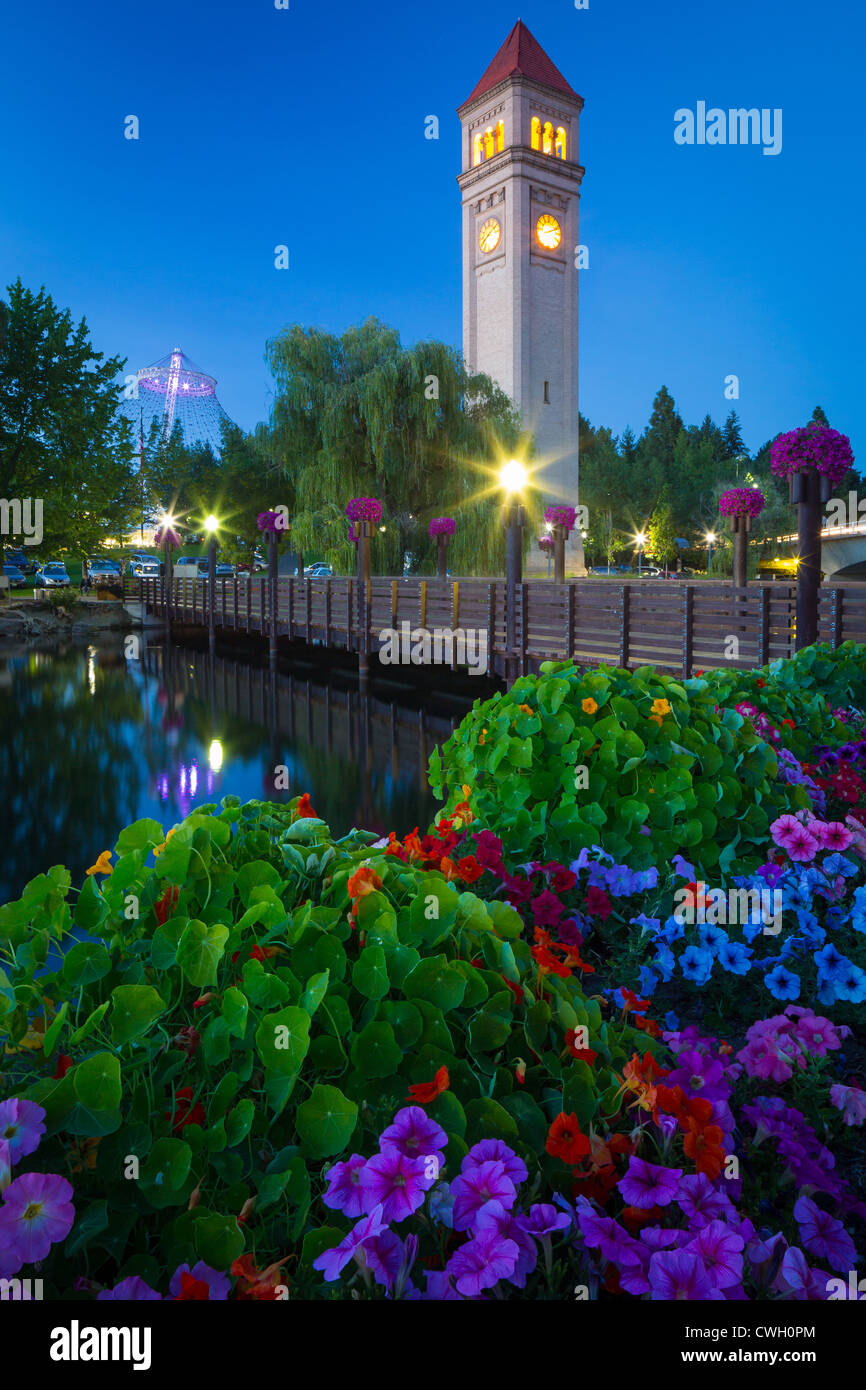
(200, 951)
(487, 1119)
(435, 980)
(447, 1111)
(370, 973)
(239, 1122)
(316, 951)
(405, 1020)
(215, 1041)
(142, 834)
(282, 1040)
(400, 959)
(135, 1008)
(91, 1223)
(92, 1021)
(219, 1240)
(375, 1051)
(8, 1002)
(164, 943)
(262, 987)
(489, 1029)
(91, 909)
(96, 1082)
(317, 988)
(167, 1165)
(234, 1010)
(254, 875)
(223, 1095)
(326, 1121)
(52, 1032)
(85, 963)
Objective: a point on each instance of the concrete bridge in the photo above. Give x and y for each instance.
(843, 551)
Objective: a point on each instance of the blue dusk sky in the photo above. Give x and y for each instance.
(305, 127)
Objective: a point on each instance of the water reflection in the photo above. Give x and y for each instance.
(93, 741)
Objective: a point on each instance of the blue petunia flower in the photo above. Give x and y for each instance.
(673, 930)
(836, 864)
(696, 964)
(782, 984)
(711, 937)
(735, 957)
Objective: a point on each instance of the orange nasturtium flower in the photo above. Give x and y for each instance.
(703, 1143)
(661, 707)
(566, 1140)
(588, 706)
(656, 719)
(304, 809)
(363, 881)
(254, 1283)
(423, 1092)
(157, 849)
(103, 864)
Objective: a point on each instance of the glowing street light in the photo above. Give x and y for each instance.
(710, 539)
(211, 523)
(641, 542)
(513, 477)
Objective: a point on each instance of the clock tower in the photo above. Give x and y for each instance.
(520, 184)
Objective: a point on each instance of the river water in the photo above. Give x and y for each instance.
(91, 741)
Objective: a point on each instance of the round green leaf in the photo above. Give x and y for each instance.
(135, 1008)
(435, 980)
(282, 1040)
(200, 951)
(85, 963)
(96, 1082)
(375, 1051)
(370, 973)
(326, 1121)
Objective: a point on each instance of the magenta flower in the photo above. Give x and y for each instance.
(796, 1277)
(344, 1187)
(546, 909)
(488, 1182)
(132, 1290)
(37, 1212)
(815, 447)
(649, 1184)
(21, 1127)
(332, 1261)
(443, 526)
(383, 1256)
(488, 850)
(720, 1251)
(396, 1183)
(817, 1034)
(742, 501)
(364, 509)
(496, 1150)
(835, 836)
(851, 1101)
(482, 1262)
(794, 838)
(824, 1236)
(676, 1274)
(414, 1134)
(561, 516)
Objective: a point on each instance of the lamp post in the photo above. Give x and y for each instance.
(641, 542)
(211, 525)
(710, 538)
(513, 478)
(364, 513)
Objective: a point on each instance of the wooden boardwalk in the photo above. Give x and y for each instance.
(676, 626)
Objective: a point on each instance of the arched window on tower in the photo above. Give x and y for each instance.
(500, 136)
(560, 146)
(477, 149)
(489, 143)
(547, 146)
(535, 133)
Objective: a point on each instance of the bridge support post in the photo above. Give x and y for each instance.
(559, 534)
(809, 490)
(513, 519)
(363, 531)
(272, 594)
(211, 592)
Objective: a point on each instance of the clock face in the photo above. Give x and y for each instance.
(548, 232)
(490, 235)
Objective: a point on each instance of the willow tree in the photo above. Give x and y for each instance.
(360, 415)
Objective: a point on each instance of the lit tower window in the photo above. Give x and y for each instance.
(547, 146)
(500, 136)
(478, 148)
(560, 146)
(535, 133)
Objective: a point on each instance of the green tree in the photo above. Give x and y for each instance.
(63, 438)
(361, 415)
(661, 535)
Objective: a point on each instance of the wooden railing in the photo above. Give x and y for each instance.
(677, 627)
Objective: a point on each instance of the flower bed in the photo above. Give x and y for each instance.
(491, 1060)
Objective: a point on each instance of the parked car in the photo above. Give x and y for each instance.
(318, 572)
(103, 569)
(21, 560)
(147, 568)
(52, 575)
(17, 579)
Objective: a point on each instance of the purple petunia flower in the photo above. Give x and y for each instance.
(6, 1162)
(496, 1150)
(493, 1216)
(219, 1285)
(487, 1182)
(383, 1256)
(543, 1219)
(649, 1184)
(331, 1262)
(344, 1192)
(482, 1262)
(720, 1251)
(701, 1202)
(133, 1290)
(21, 1126)
(396, 1183)
(824, 1236)
(676, 1274)
(604, 1233)
(37, 1212)
(414, 1134)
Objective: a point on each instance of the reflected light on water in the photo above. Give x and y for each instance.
(215, 755)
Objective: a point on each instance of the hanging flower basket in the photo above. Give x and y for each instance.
(272, 523)
(442, 526)
(561, 516)
(545, 542)
(815, 448)
(742, 501)
(166, 535)
(364, 509)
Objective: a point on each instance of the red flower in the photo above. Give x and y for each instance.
(631, 1002)
(193, 1290)
(560, 878)
(546, 909)
(304, 809)
(423, 1092)
(205, 999)
(598, 903)
(469, 869)
(166, 905)
(583, 1054)
(565, 1140)
(760, 683)
(187, 1040)
(515, 990)
(185, 1113)
(63, 1065)
(254, 1283)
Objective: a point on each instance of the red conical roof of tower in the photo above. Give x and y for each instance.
(522, 54)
